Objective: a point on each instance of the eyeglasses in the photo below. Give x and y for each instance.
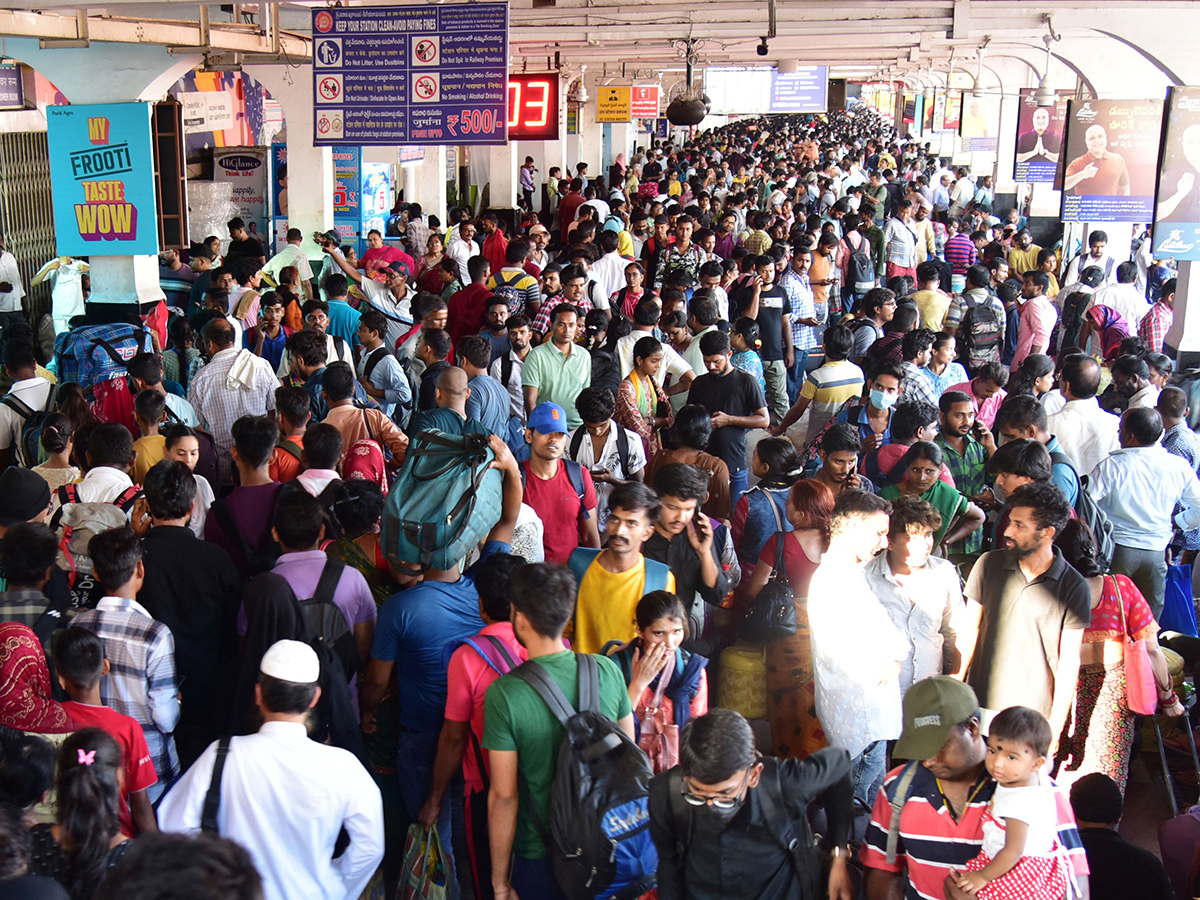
(719, 802)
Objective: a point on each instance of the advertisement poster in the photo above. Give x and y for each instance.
(1111, 154)
(347, 187)
(1177, 203)
(102, 179)
(953, 115)
(410, 75)
(279, 193)
(376, 197)
(246, 169)
(1039, 139)
(939, 112)
(980, 123)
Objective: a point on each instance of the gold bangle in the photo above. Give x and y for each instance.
(841, 850)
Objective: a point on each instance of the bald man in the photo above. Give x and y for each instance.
(1097, 172)
(451, 413)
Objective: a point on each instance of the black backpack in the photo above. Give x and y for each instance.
(326, 623)
(1089, 512)
(404, 411)
(32, 421)
(860, 271)
(598, 837)
(978, 334)
(622, 448)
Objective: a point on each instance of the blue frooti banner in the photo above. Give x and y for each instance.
(411, 75)
(102, 179)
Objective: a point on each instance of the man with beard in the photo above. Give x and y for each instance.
(840, 449)
(1027, 609)
(613, 580)
(507, 369)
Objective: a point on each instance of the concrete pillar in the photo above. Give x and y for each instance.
(502, 164)
(425, 183)
(309, 168)
(110, 73)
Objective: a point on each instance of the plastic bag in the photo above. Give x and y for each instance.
(1179, 610)
(426, 867)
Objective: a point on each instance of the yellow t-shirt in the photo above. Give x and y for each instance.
(149, 452)
(605, 610)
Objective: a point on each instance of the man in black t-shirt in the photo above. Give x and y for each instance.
(241, 244)
(768, 304)
(736, 403)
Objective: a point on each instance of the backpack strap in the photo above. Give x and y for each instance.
(498, 646)
(19, 406)
(532, 673)
(373, 360)
(589, 683)
(575, 476)
(506, 367)
(656, 575)
(125, 500)
(327, 586)
(770, 796)
(580, 560)
(576, 442)
(898, 800)
(622, 449)
(290, 448)
(212, 800)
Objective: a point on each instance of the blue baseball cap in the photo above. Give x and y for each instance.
(549, 418)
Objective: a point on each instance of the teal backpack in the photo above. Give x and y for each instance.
(445, 501)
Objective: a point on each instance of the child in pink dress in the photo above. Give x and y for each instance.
(1021, 858)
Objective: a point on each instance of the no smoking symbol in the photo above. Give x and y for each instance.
(426, 87)
(426, 50)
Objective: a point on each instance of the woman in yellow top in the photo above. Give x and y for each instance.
(1048, 263)
(641, 403)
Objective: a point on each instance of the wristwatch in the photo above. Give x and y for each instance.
(842, 850)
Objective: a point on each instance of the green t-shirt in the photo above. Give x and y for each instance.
(516, 718)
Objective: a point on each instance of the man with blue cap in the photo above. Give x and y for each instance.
(559, 490)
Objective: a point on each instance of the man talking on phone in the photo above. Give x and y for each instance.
(684, 540)
(967, 445)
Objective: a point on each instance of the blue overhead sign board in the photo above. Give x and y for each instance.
(802, 91)
(411, 75)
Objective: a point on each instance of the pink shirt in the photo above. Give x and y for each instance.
(1038, 317)
(986, 410)
(467, 680)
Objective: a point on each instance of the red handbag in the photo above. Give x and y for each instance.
(659, 738)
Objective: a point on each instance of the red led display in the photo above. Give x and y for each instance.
(533, 107)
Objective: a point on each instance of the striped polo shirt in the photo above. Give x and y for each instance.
(828, 388)
(932, 843)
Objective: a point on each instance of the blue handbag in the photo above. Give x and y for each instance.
(1179, 610)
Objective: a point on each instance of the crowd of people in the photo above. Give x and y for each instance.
(796, 370)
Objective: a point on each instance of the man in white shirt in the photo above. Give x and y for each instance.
(1086, 433)
(235, 383)
(29, 394)
(858, 697)
(284, 797)
(1138, 486)
(462, 247)
(622, 454)
(292, 255)
(1096, 255)
(609, 270)
(1124, 296)
(11, 290)
(645, 317)
(110, 455)
(393, 299)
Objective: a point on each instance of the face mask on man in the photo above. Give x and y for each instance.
(880, 400)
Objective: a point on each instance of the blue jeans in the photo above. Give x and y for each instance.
(414, 762)
(868, 769)
(796, 375)
(738, 482)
